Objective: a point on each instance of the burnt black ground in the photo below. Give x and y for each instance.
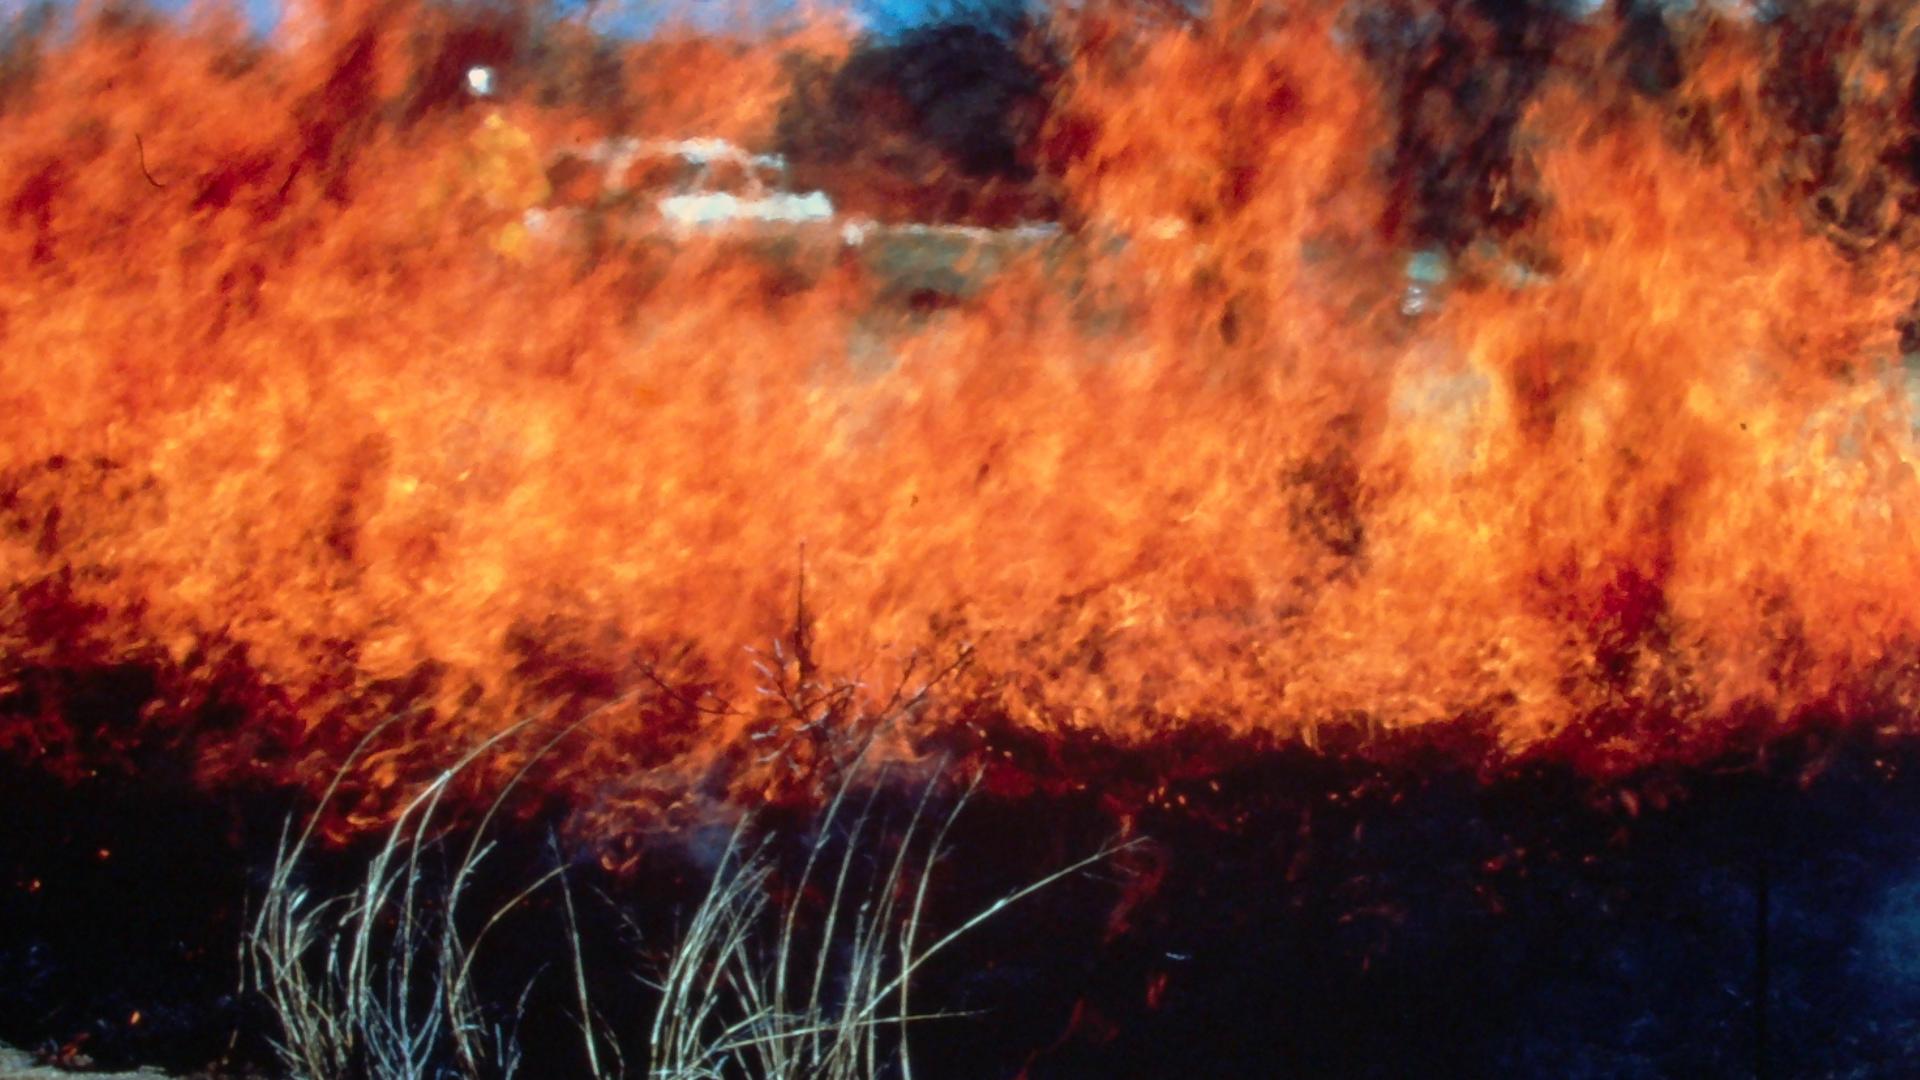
(117, 900)
(1399, 913)
(1413, 917)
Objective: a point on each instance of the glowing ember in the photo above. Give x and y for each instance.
(287, 394)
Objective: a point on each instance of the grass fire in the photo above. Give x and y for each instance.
(1250, 538)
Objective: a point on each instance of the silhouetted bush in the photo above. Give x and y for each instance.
(936, 125)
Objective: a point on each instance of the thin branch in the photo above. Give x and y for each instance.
(141, 147)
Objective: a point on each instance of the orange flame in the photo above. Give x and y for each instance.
(275, 403)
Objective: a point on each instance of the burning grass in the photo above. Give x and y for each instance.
(279, 405)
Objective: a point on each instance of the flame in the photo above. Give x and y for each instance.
(1643, 481)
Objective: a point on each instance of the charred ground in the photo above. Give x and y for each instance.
(1344, 911)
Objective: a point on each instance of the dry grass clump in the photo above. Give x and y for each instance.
(766, 979)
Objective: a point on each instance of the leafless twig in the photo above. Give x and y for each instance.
(141, 147)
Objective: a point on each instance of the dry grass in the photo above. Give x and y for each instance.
(378, 982)
(744, 997)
